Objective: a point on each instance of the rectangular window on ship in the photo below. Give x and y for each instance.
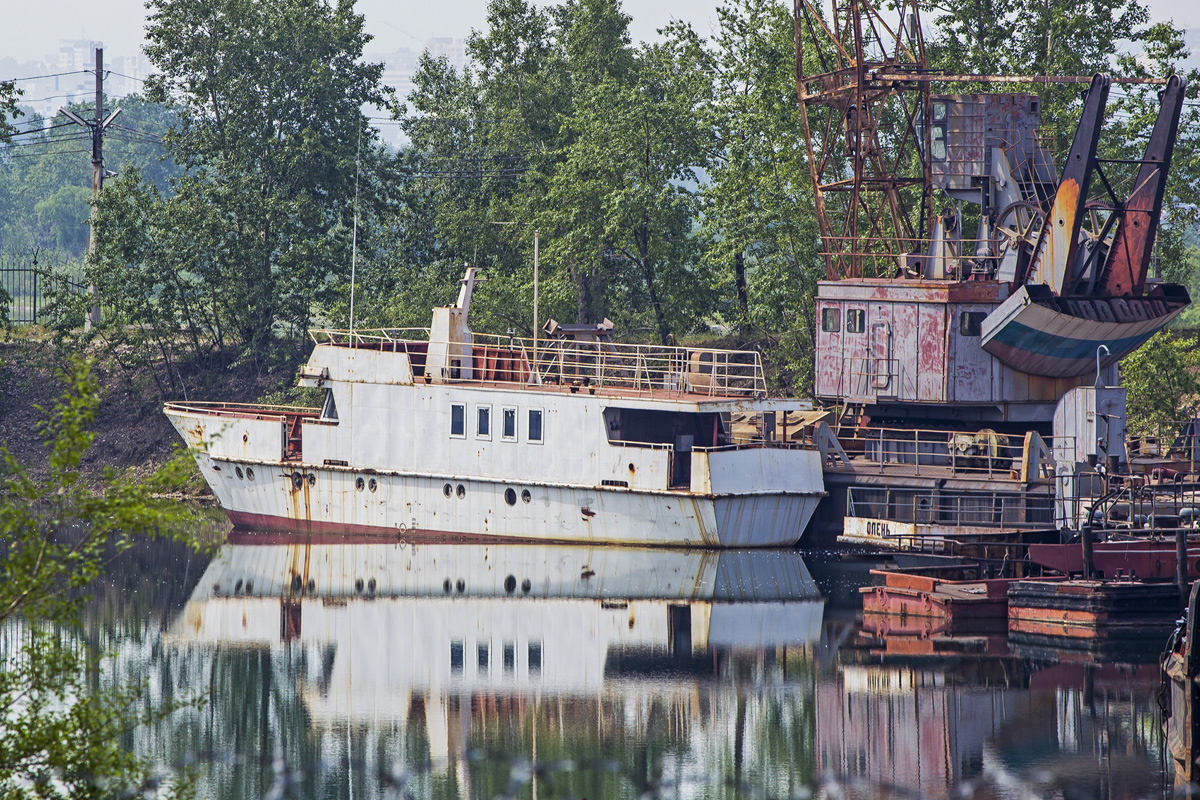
(458, 420)
(509, 421)
(535, 424)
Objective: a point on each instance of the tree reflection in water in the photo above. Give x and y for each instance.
(357, 670)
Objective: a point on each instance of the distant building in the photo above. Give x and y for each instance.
(399, 68)
(126, 74)
(453, 50)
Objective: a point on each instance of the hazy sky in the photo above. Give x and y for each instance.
(32, 30)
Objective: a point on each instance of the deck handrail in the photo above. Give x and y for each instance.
(368, 335)
(647, 368)
(643, 367)
(980, 452)
(210, 405)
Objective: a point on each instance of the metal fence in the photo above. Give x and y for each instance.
(34, 287)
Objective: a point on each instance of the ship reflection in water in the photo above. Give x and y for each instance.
(369, 670)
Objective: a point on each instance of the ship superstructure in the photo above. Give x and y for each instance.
(450, 435)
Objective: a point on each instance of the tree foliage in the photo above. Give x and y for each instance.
(1162, 381)
(562, 125)
(46, 178)
(59, 736)
(8, 109)
(254, 237)
(757, 204)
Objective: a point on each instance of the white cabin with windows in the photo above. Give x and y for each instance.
(450, 435)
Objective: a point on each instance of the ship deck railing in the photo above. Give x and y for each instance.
(981, 453)
(645, 369)
(388, 339)
(245, 410)
(969, 510)
(736, 443)
(1157, 501)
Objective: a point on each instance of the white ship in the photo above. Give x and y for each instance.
(446, 435)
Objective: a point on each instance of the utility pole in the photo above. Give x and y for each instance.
(97, 126)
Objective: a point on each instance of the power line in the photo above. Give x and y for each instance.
(136, 130)
(45, 155)
(43, 130)
(120, 137)
(54, 75)
(130, 77)
(50, 140)
(25, 102)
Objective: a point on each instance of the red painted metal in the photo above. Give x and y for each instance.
(286, 527)
(1090, 609)
(1145, 559)
(927, 596)
(1129, 258)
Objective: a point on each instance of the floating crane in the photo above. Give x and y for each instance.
(977, 296)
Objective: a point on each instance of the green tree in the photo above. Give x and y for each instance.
(61, 736)
(255, 235)
(623, 196)
(46, 183)
(757, 205)
(1161, 380)
(8, 109)
(563, 125)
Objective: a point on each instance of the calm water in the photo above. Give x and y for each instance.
(383, 670)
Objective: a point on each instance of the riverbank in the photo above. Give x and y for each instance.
(131, 432)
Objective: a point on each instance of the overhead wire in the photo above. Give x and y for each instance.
(42, 130)
(51, 154)
(138, 131)
(52, 75)
(24, 102)
(123, 75)
(49, 141)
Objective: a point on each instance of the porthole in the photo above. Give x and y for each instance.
(297, 583)
(312, 586)
(250, 473)
(371, 586)
(510, 496)
(526, 496)
(312, 479)
(461, 491)
(237, 587)
(526, 586)
(297, 480)
(372, 484)
(461, 585)
(249, 587)
(359, 483)
(447, 490)
(358, 586)
(510, 584)
(238, 471)
(446, 586)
